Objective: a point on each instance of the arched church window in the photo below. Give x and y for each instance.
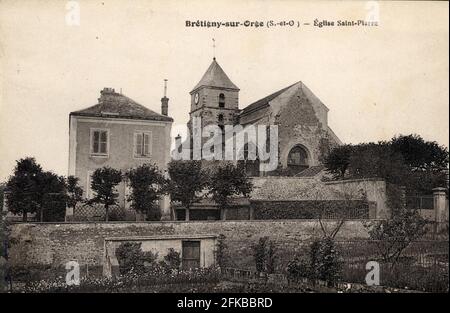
(298, 158)
(221, 100)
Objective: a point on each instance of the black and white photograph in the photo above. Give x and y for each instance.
(212, 148)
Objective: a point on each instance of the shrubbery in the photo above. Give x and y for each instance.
(265, 256)
(323, 263)
(324, 260)
(132, 259)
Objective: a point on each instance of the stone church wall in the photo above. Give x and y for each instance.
(298, 123)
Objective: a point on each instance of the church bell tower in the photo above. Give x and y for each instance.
(215, 98)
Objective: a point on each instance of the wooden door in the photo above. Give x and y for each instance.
(191, 254)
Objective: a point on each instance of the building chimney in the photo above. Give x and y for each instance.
(165, 101)
(106, 94)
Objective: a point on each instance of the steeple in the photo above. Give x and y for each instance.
(215, 77)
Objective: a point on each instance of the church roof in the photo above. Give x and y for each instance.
(311, 171)
(116, 105)
(264, 101)
(215, 77)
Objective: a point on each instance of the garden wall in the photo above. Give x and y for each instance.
(51, 245)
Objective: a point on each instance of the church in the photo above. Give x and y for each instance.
(304, 136)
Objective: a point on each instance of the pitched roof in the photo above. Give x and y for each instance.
(215, 77)
(115, 105)
(264, 101)
(311, 171)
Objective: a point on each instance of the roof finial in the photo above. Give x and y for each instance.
(165, 88)
(214, 49)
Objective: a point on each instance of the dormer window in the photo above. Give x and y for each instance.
(221, 100)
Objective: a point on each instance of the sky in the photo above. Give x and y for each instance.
(378, 82)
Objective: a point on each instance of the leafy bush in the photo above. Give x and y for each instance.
(132, 259)
(324, 260)
(298, 268)
(172, 261)
(220, 251)
(265, 256)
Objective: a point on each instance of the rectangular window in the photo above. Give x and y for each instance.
(142, 144)
(99, 142)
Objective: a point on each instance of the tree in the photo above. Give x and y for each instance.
(393, 236)
(104, 183)
(2, 190)
(338, 160)
(74, 192)
(31, 190)
(4, 245)
(147, 183)
(419, 154)
(22, 197)
(51, 195)
(187, 181)
(404, 160)
(228, 181)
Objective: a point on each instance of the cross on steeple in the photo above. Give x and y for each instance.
(214, 49)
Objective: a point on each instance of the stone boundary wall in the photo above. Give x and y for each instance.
(51, 245)
(374, 189)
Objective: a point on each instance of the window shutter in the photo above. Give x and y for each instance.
(96, 142)
(138, 144)
(146, 144)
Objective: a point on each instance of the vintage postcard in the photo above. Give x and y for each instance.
(211, 147)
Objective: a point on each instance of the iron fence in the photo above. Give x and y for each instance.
(420, 203)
